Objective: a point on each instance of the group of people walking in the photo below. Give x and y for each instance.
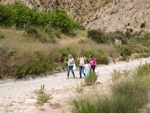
(84, 65)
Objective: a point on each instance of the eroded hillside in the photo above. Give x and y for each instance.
(108, 15)
(126, 14)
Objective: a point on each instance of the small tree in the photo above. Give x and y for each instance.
(60, 19)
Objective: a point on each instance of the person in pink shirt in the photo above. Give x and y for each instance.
(93, 63)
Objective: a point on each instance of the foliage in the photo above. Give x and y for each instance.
(41, 90)
(143, 70)
(20, 15)
(35, 68)
(32, 31)
(60, 19)
(124, 51)
(2, 36)
(98, 55)
(91, 78)
(44, 98)
(76, 25)
(128, 97)
(117, 35)
(102, 37)
(116, 75)
(98, 36)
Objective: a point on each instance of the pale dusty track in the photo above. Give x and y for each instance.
(20, 90)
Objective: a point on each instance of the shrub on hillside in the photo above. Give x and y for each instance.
(60, 19)
(76, 25)
(124, 50)
(143, 70)
(35, 68)
(20, 15)
(6, 15)
(98, 36)
(2, 36)
(98, 55)
(117, 35)
(32, 31)
(44, 18)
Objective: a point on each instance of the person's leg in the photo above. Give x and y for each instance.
(68, 71)
(80, 71)
(71, 68)
(93, 68)
(83, 70)
(86, 73)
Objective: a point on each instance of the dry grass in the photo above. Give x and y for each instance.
(24, 49)
(17, 42)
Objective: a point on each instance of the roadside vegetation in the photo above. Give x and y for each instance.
(129, 95)
(127, 43)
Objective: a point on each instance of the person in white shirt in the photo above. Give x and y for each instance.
(70, 65)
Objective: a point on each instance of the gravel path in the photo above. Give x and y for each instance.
(21, 89)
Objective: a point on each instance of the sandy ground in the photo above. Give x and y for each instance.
(20, 97)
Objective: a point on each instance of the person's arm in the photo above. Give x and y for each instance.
(84, 59)
(78, 59)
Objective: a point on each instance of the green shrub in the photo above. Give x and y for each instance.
(44, 98)
(128, 34)
(119, 36)
(91, 78)
(66, 51)
(98, 36)
(20, 15)
(2, 71)
(2, 36)
(143, 70)
(124, 50)
(58, 33)
(7, 15)
(35, 68)
(32, 31)
(102, 60)
(98, 55)
(44, 18)
(60, 19)
(143, 25)
(71, 33)
(78, 26)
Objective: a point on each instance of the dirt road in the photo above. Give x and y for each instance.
(15, 95)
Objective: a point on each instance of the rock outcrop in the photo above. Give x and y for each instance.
(108, 15)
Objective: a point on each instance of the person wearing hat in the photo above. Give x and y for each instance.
(93, 63)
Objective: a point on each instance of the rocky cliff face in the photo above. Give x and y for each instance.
(133, 15)
(75, 8)
(108, 15)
